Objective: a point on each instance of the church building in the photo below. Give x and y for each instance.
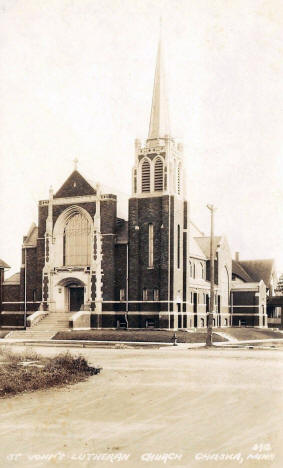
(102, 271)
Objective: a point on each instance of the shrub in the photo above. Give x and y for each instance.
(56, 371)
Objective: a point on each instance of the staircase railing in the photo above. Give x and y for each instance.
(35, 318)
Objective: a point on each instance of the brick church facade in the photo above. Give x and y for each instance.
(149, 271)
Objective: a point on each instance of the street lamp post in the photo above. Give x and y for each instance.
(211, 303)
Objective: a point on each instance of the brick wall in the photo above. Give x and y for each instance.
(143, 211)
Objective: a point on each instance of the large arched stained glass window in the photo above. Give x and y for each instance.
(77, 241)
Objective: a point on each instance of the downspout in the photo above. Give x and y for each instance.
(127, 285)
(25, 294)
(169, 261)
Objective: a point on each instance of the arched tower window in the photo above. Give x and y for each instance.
(77, 241)
(179, 179)
(158, 175)
(146, 176)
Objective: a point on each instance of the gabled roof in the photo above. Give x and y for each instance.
(239, 271)
(3, 265)
(259, 269)
(30, 239)
(14, 279)
(195, 250)
(204, 244)
(76, 185)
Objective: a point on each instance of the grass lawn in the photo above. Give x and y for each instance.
(158, 336)
(29, 371)
(250, 333)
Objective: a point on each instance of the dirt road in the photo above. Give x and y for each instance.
(189, 404)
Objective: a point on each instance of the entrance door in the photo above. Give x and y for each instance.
(76, 298)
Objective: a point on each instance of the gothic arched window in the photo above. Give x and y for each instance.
(158, 175)
(77, 241)
(145, 176)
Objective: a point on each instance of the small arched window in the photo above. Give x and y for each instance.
(146, 176)
(156, 294)
(158, 175)
(144, 294)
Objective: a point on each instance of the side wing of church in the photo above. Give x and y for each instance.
(152, 271)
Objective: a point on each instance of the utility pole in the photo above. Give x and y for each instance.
(211, 302)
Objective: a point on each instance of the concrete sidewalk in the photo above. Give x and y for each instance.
(129, 344)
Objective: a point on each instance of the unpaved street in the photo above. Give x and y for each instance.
(146, 402)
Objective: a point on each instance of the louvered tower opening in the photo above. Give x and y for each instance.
(158, 175)
(146, 176)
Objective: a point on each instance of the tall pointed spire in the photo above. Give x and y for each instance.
(159, 126)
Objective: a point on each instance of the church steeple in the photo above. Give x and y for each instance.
(159, 126)
(158, 168)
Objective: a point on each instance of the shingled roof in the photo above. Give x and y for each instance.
(259, 269)
(3, 264)
(204, 244)
(239, 271)
(14, 279)
(31, 238)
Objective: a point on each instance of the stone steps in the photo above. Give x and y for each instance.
(45, 329)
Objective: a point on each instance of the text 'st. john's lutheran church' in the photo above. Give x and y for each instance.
(152, 271)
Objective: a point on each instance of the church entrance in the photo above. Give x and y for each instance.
(76, 298)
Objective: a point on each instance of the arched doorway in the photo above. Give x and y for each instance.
(72, 292)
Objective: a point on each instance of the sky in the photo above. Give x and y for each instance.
(76, 79)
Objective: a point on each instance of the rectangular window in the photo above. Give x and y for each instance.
(150, 245)
(144, 294)
(122, 294)
(178, 245)
(156, 294)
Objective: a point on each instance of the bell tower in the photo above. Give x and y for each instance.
(158, 220)
(159, 162)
